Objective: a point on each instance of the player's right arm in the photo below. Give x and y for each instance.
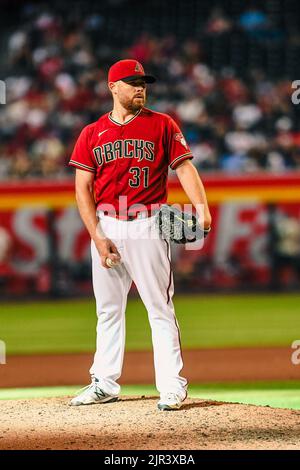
(84, 183)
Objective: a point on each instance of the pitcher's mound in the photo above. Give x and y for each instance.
(136, 423)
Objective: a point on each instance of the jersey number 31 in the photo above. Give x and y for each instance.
(140, 176)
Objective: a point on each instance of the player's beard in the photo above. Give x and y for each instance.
(133, 105)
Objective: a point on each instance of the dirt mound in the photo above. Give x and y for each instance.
(135, 423)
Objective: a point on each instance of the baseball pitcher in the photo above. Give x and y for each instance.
(122, 163)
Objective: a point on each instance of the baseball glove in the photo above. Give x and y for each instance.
(179, 227)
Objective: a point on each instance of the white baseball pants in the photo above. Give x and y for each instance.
(145, 261)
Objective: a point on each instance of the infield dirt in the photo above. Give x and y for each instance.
(202, 365)
(135, 423)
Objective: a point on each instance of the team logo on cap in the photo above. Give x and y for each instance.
(138, 68)
(181, 139)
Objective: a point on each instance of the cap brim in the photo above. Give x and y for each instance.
(146, 78)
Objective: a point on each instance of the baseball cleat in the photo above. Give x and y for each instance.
(169, 402)
(92, 394)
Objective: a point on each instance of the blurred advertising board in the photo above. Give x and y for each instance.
(44, 246)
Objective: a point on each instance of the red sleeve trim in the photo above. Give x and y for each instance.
(81, 166)
(177, 160)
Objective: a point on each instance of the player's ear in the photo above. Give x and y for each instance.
(112, 86)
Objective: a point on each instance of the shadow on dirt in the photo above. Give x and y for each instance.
(185, 406)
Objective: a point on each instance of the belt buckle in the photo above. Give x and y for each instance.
(142, 215)
(137, 215)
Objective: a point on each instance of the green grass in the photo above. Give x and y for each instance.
(274, 394)
(205, 322)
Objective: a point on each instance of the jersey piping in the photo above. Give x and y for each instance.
(82, 166)
(124, 123)
(181, 157)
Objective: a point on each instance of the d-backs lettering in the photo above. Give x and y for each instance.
(128, 148)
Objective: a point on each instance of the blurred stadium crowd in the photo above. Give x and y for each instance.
(224, 73)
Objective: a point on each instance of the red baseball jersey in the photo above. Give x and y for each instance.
(131, 159)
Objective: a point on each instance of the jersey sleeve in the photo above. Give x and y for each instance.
(81, 157)
(177, 148)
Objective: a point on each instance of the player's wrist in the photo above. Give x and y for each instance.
(102, 243)
(205, 224)
(206, 231)
(204, 217)
(207, 220)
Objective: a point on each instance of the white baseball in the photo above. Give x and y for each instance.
(110, 263)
